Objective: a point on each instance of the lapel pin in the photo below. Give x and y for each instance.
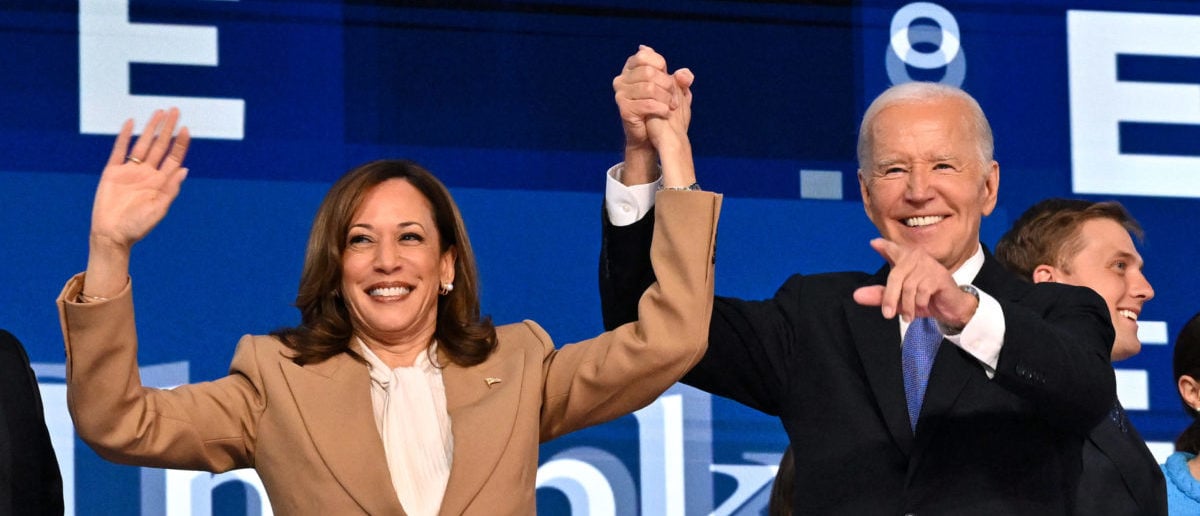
(491, 381)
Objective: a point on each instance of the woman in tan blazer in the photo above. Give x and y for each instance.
(393, 396)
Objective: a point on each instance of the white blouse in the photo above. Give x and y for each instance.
(410, 414)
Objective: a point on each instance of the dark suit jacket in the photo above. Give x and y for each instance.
(830, 369)
(29, 479)
(1120, 476)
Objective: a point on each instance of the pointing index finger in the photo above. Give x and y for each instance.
(886, 248)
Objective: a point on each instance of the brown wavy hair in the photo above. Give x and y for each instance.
(325, 326)
(1048, 233)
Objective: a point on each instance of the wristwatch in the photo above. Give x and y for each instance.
(950, 330)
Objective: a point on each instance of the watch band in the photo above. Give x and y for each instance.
(950, 331)
(694, 187)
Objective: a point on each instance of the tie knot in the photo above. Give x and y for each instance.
(924, 328)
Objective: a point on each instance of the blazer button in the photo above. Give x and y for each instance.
(1024, 373)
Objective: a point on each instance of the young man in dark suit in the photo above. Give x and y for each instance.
(1089, 244)
(30, 482)
(975, 400)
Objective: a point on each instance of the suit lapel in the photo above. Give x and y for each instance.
(1122, 450)
(335, 405)
(878, 343)
(952, 370)
(482, 414)
(998, 282)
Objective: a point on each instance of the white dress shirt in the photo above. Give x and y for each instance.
(411, 416)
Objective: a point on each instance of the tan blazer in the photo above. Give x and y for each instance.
(310, 431)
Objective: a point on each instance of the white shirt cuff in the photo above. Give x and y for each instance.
(983, 336)
(627, 204)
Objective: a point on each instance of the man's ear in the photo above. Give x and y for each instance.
(991, 187)
(1045, 273)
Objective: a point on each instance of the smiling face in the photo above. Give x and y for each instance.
(393, 266)
(925, 182)
(1108, 263)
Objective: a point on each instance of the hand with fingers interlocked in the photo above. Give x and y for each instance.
(917, 286)
(135, 190)
(655, 109)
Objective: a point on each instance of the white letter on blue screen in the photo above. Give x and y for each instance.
(1099, 102)
(109, 42)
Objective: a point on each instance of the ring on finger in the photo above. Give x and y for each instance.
(134, 159)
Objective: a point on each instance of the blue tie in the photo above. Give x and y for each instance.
(920, 347)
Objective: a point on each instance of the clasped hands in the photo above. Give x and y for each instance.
(656, 110)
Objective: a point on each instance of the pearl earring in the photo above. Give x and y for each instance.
(446, 288)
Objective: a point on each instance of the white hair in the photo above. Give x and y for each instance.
(923, 92)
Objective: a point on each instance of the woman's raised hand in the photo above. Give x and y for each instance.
(135, 190)
(139, 183)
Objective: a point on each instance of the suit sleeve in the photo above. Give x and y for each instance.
(749, 351)
(1056, 353)
(206, 426)
(625, 369)
(28, 465)
(747, 339)
(625, 270)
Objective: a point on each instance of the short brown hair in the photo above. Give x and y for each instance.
(325, 329)
(1048, 233)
